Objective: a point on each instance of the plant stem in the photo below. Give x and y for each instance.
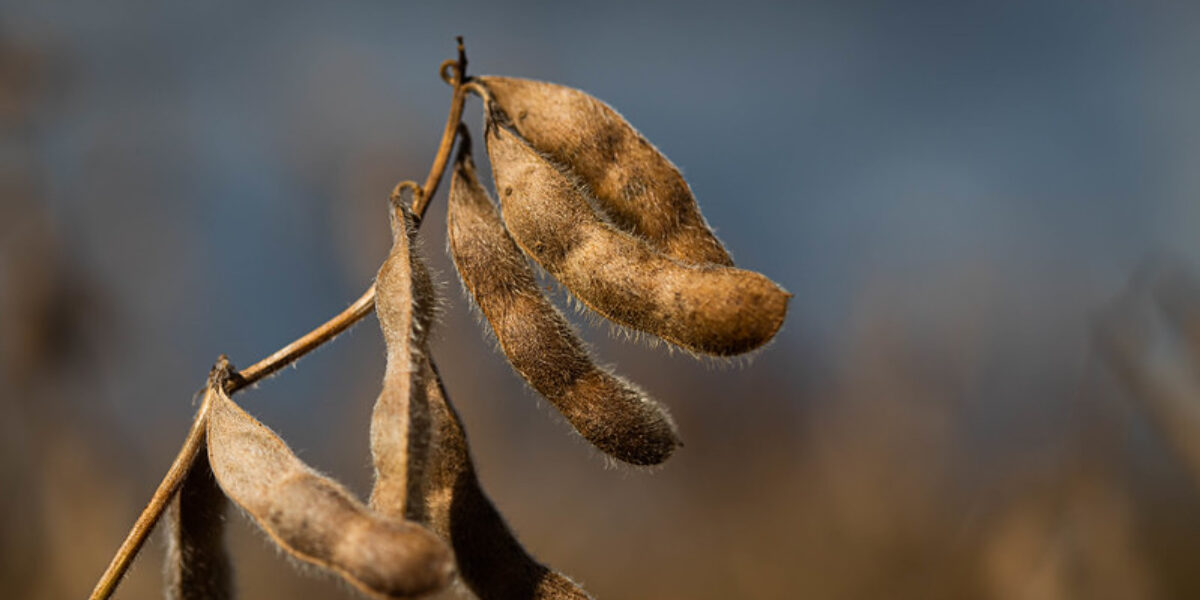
(305, 344)
(280, 358)
(442, 157)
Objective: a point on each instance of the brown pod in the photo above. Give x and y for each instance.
(707, 309)
(315, 519)
(197, 565)
(540, 345)
(491, 562)
(400, 421)
(633, 183)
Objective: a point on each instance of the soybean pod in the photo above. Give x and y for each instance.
(491, 562)
(704, 308)
(400, 421)
(313, 518)
(632, 182)
(541, 346)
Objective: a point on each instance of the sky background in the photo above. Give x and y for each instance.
(954, 191)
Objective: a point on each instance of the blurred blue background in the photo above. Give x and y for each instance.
(952, 191)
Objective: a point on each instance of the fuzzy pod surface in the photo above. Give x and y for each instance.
(400, 420)
(491, 562)
(313, 518)
(197, 565)
(704, 308)
(615, 416)
(634, 184)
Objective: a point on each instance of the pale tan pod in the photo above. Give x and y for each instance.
(491, 562)
(400, 421)
(442, 490)
(707, 309)
(633, 183)
(313, 518)
(540, 345)
(197, 564)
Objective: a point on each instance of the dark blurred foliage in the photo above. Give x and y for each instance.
(988, 214)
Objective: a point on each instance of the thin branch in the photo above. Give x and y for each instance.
(305, 344)
(280, 358)
(456, 79)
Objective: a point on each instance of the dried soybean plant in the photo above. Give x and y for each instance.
(582, 195)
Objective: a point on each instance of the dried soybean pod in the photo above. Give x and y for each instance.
(400, 420)
(315, 519)
(197, 565)
(491, 562)
(633, 183)
(540, 345)
(704, 308)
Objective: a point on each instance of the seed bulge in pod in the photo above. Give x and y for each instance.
(634, 184)
(540, 345)
(704, 308)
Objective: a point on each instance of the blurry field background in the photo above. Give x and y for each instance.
(955, 192)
